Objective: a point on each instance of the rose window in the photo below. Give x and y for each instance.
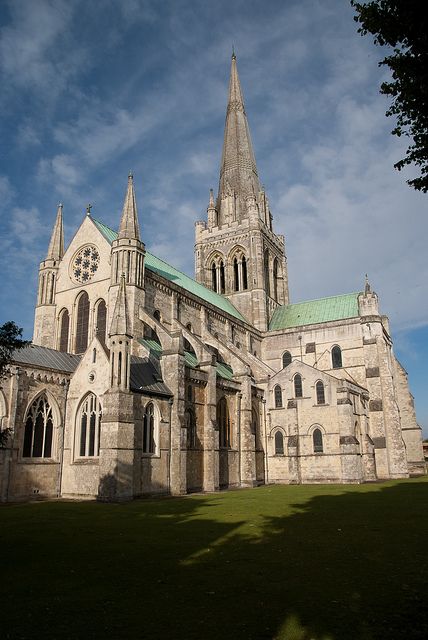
(85, 263)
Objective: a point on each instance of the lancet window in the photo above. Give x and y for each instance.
(286, 359)
(278, 396)
(240, 270)
(279, 443)
(101, 322)
(336, 357)
(88, 427)
(38, 434)
(223, 423)
(218, 276)
(266, 270)
(298, 386)
(64, 328)
(149, 429)
(320, 392)
(82, 323)
(318, 441)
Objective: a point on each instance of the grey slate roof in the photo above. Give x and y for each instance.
(144, 375)
(145, 378)
(46, 358)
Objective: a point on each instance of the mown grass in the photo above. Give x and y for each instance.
(285, 562)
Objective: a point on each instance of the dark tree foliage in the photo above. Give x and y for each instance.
(403, 25)
(10, 340)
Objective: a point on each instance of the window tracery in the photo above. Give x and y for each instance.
(38, 433)
(88, 427)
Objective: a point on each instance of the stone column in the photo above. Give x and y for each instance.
(173, 366)
(247, 454)
(210, 434)
(117, 447)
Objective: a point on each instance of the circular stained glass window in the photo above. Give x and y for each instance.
(85, 263)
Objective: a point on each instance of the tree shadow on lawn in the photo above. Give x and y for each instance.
(348, 563)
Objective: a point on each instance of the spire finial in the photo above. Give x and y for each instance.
(233, 52)
(367, 288)
(56, 244)
(238, 164)
(129, 227)
(88, 209)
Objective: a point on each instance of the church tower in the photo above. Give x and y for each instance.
(127, 258)
(237, 253)
(44, 321)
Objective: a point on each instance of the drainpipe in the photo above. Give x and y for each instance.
(61, 462)
(266, 448)
(170, 402)
(238, 418)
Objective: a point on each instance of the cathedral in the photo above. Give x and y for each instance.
(141, 380)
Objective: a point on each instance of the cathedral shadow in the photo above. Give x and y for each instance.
(344, 564)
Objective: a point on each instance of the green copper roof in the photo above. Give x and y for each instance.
(315, 311)
(177, 277)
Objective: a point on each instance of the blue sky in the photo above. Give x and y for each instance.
(90, 90)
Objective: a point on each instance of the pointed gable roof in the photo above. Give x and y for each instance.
(56, 244)
(129, 227)
(238, 170)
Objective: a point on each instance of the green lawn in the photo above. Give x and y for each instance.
(289, 562)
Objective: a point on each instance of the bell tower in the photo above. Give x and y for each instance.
(237, 252)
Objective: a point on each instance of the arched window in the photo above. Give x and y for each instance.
(254, 419)
(320, 392)
(189, 326)
(157, 315)
(223, 423)
(278, 396)
(64, 326)
(317, 440)
(279, 443)
(38, 434)
(298, 387)
(82, 323)
(275, 279)
(286, 359)
(236, 274)
(191, 429)
(336, 357)
(244, 273)
(266, 269)
(88, 427)
(101, 320)
(213, 277)
(149, 445)
(222, 279)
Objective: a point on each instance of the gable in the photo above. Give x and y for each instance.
(87, 235)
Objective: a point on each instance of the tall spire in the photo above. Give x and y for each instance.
(56, 244)
(238, 171)
(129, 227)
(120, 321)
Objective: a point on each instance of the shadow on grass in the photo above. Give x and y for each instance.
(295, 563)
